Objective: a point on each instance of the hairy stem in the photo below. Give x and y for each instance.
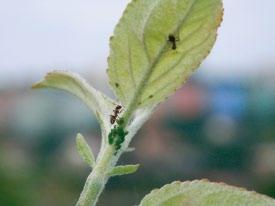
(96, 181)
(107, 160)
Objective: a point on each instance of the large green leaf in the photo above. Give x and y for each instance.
(204, 193)
(143, 67)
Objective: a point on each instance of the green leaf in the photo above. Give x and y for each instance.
(84, 150)
(100, 104)
(124, 170)
(143, 68)
(204, 193)
(130, 149)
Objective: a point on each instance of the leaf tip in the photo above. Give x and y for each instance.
(42, 84)
(79, 136)
(84, 150)
(37, 85)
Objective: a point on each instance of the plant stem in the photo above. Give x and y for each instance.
(96, 181)
(106, 161)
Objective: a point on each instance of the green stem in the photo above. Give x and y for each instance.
(96, 181)
(106, 161)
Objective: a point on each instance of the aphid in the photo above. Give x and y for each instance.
(172, 39)
(114, 116)
(117, 136)
(120, 121)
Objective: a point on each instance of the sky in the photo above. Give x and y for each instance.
(38, 36)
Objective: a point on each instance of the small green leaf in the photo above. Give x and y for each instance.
(100, 104)
(84, 150)
(144, 66)
(204, 193)
(124, 170)
(130, 149)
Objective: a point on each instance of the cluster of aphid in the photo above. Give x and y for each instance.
(117, 135)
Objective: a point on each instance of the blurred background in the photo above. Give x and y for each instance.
(220, 125)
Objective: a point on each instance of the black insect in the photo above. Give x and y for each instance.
(114, 116)
(172, 39)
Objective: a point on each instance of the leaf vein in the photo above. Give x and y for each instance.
(179, 60)
(145, 25)
(130, 67)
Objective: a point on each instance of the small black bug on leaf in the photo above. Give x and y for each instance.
(172, 39)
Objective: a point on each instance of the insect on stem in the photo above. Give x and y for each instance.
(114, 116)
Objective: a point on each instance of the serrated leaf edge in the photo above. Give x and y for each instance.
(223, 186)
